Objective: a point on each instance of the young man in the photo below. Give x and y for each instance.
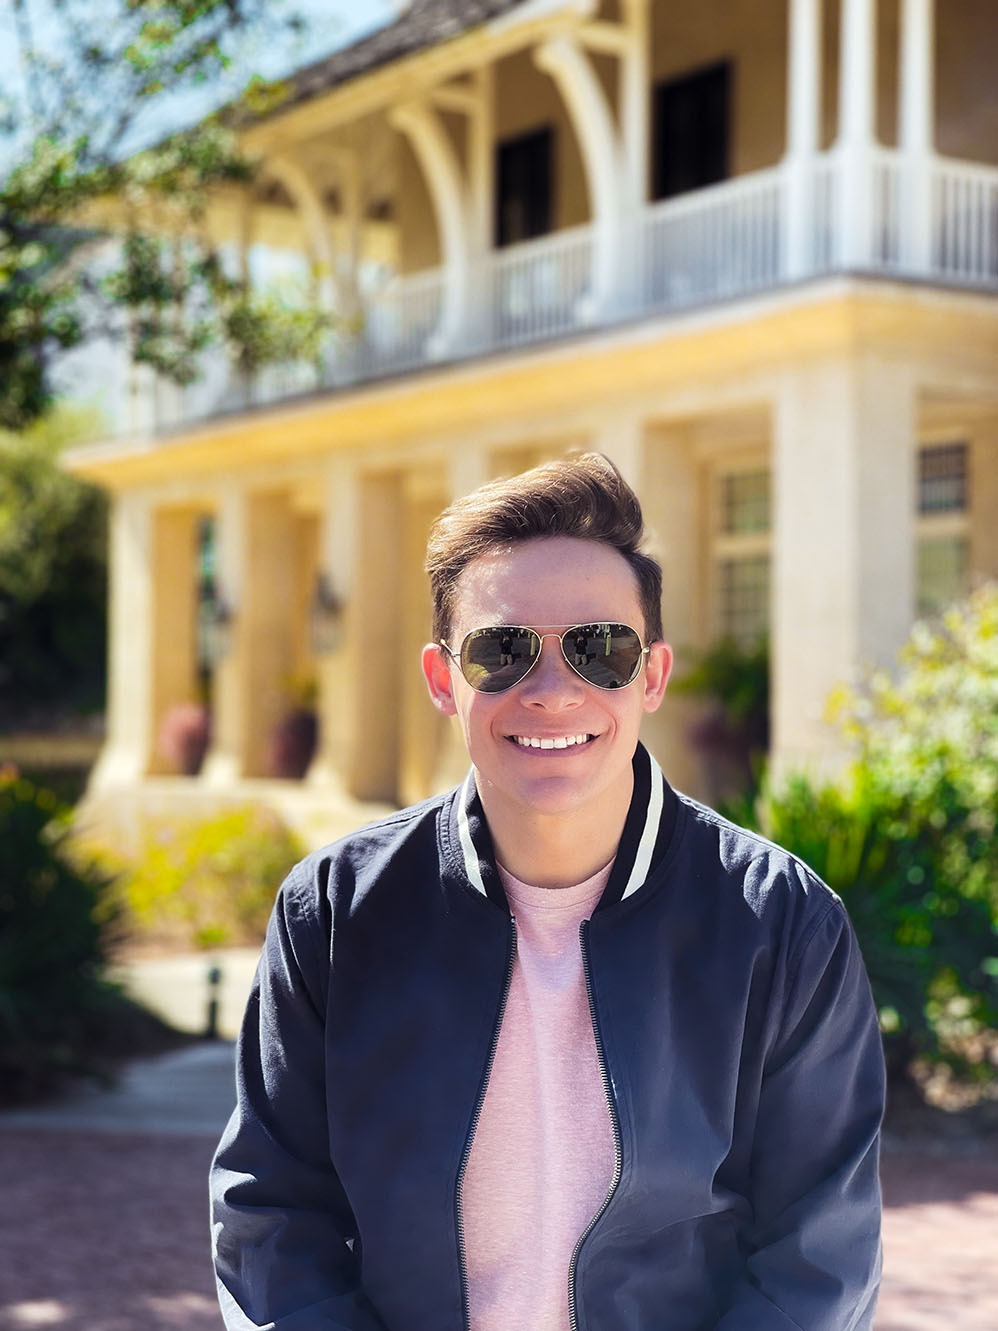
(561, 1048)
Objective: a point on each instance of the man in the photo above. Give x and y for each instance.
(561, 1048)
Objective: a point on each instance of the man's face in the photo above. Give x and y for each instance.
(547, 584)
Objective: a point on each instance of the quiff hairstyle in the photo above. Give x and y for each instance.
(583, 496)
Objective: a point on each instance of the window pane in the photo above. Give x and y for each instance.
(941, 574)
(744, 598)
(691, 130)
(745, 502)
(524, 176)
(942, 479)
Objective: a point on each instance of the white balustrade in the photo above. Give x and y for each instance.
(717, 242)
(965, 222)
(887, 213)
(724, 241)
(541, 288)
(400, 321)
(825, 247)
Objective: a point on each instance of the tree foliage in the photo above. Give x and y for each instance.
(908, 836)
(88, 98)
(52, 572)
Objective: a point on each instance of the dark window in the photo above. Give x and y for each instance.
(524, 171)
(691, 131)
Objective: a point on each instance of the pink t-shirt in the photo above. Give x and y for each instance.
(542, 1158)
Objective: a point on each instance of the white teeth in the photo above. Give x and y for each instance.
(561, 742)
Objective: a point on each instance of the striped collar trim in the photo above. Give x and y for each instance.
(644, 840)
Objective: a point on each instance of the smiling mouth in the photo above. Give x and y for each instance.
(551, 742)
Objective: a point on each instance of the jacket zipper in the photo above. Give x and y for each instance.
(459, 1204)
(611, 1105)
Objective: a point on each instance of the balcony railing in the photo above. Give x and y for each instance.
(719, 242)
(933, 219)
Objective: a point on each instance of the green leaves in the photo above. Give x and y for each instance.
(89, 91)
(52, 572)
(908, 836)
(267, 329)
(53, 920)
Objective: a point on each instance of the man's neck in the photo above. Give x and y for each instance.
(555, 850)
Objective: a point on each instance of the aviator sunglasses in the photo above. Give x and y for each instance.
(493, 659)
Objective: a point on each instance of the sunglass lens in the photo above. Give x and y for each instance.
(495, 659)
(607, 655)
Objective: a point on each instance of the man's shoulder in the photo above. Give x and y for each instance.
(741, 861)
(369, 851)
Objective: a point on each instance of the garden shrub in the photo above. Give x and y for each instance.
(908, 836)
(58, 1016)
(206, 882)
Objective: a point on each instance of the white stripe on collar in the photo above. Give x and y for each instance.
(653, 818)
(471, 866)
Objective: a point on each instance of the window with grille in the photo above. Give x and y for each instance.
(942, 478)
(942, 562)
(745, 502)
(741, 555)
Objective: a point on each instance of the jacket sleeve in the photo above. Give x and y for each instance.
(282, 1227)
(815, 1254)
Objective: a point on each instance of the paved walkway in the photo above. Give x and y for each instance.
(189, 1093)
(104, 1224)
(177, 988)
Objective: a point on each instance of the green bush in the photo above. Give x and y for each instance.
(55, 915)
(929, 944)
(206, 882)
(908, 836)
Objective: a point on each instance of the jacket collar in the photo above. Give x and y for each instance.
(647, 831)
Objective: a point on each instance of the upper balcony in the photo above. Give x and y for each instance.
(573, 164)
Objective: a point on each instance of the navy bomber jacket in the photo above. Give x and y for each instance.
(740, 1052)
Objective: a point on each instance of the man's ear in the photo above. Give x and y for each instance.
(657, 672)
(436, 671)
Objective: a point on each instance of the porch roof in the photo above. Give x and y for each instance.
(424, 23)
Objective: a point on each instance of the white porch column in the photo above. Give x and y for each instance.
(916, 114)
(125, 756)
(803, 119)
(857, 78)
(293, 176)
(635, 74)
(843, 540)
(226, 760)
(481, 194)
(440, 165)
(572, 72)
(336, 670)
(670, 498)
(622, 439)
(469, 469)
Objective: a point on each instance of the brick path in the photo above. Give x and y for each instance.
(103, 1231)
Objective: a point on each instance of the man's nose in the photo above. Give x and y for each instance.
(552, 682)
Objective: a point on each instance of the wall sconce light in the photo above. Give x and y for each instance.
(217, 629)
(325, 618)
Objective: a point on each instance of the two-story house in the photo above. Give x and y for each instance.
(748, 248)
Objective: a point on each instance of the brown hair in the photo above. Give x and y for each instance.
(583, 496)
